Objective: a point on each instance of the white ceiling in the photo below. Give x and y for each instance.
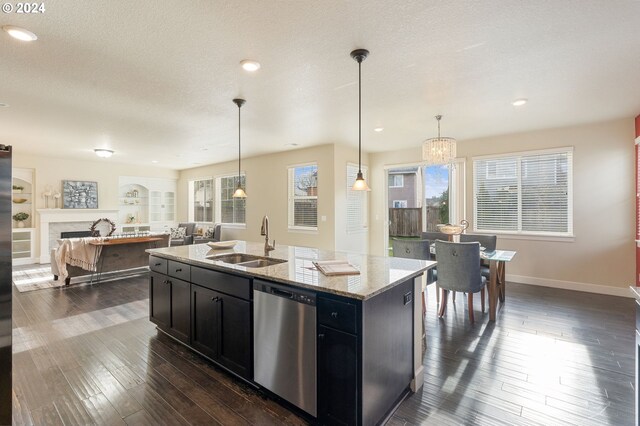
(154, 80)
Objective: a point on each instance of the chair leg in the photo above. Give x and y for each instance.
(470, 301)
(482, 299)
(424, 304)
(437, 294)
(443, 302)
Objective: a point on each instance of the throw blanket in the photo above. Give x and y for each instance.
(77, 252)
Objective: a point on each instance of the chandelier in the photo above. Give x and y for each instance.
(440, 150)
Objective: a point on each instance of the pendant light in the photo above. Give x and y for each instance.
(439, 150)
(360, 55)
(239, 191)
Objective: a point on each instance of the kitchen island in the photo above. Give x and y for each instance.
(343, 349)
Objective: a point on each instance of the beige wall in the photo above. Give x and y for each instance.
(52, 171)
(602, 252)
(267, 194)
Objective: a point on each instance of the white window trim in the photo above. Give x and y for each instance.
(291, 198)
(529, 235)
(400, 201)
(217, 217)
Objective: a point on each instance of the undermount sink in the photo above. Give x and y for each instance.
(247, 260)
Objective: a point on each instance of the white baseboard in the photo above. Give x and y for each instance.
(571, 285)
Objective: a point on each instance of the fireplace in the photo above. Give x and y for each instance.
(53, 222)
(75, 234)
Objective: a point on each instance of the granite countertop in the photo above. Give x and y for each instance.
(635, 291)
(377, 273)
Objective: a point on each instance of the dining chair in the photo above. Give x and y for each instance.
(414, 249)
(489, 242)
(459, 270)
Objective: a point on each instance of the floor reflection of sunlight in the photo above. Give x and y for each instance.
(31, 280)
(27, 338)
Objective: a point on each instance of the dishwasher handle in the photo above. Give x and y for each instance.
(285, 292)
(282, 293)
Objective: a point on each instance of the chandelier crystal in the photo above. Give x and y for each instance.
(440, 150)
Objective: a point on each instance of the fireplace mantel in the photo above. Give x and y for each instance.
(48, 216)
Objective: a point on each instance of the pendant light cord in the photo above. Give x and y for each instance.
(239, 157)
(360, 116)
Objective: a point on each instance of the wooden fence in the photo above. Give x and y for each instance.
(405, 222)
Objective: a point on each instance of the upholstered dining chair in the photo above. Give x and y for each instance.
(414, 249)
(459, 270)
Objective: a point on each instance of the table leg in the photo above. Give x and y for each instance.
(493, 289)
(502, 281)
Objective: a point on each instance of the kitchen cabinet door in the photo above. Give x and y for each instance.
(337, 377)
(180, 309)
(160, 300)
(236, 338)
(205, 321)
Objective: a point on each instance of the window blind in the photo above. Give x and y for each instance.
(525, 193)
(356, 202)
(229, 209)
(303, 196)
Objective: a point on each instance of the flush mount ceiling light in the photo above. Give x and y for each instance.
(378, 129)
(239, 191)
(439, 150)
(249, 65)
(103, 153)
(20, 33)
(360, 184)
(154, 161)
(519, 102)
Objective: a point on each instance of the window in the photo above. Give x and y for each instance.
(228, 209)
(303, 197)
(399, 204)
(201, 200)
(396, 181)
(527, 193)
(356, 202)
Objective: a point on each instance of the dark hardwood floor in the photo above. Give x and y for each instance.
(89, 355)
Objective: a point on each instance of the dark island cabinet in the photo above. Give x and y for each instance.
(169, 305)
(221, 329)
(209, 311)
(337, 377)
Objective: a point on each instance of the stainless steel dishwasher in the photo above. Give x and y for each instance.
(284, 343)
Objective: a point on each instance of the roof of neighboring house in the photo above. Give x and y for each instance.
(404, 170)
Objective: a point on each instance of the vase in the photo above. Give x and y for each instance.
(20, 224)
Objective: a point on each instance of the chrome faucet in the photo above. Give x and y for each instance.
(264, 230)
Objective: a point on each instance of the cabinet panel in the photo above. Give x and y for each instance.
(158, 264)
(159, 299)
(180, 309)
(337, 314)
(236, 338)
(219, 281)
(337, 377)
(205, 321)
(179, 270)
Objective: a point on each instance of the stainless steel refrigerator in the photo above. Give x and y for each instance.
(5, 285)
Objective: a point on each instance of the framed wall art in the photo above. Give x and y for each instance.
(79, 194)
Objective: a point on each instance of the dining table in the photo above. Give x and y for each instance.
(497, 283)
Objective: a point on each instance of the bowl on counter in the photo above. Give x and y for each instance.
(19, 200)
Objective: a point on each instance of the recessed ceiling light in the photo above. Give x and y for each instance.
(249, 65)
(154, 161)
(2, 105)
(20, 33)
(519, 102)
(103, 153)
(291, 145)
(378, 129)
